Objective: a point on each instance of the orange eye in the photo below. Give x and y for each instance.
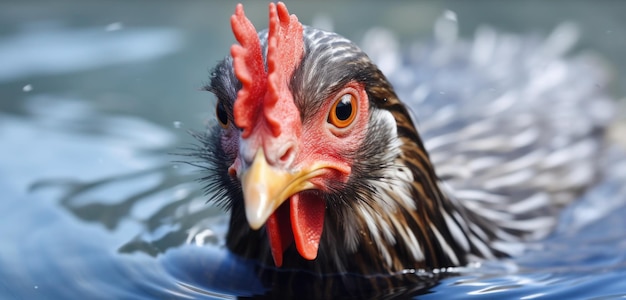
(222, 115)
(343, 111)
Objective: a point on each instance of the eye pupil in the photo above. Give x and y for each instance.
(343, 111)
(222, 116)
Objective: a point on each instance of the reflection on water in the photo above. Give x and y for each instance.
(97, 205)
(156, 193)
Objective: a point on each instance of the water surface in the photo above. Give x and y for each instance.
(95, 98)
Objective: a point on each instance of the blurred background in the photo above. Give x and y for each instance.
(149, 58)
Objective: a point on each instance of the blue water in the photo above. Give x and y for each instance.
(95, 98)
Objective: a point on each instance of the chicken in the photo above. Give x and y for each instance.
(323, 170)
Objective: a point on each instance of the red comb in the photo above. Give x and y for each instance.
(248, 64)
(284, 51)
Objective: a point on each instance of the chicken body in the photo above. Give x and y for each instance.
(493, 177)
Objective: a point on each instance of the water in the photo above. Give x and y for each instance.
(95, 98)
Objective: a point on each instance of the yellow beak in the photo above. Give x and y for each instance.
(266, 187)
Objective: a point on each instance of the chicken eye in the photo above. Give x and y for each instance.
(343, 111)
(222, 115)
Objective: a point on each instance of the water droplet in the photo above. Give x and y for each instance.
(177, 124)
(114, 26)
(27, 88)
(446, 27)
(450, 15)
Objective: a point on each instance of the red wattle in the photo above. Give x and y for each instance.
(300, 219)
(279, 232)
(307, 222)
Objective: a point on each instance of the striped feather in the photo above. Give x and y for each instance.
(478, 157)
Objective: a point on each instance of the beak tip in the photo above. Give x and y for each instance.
(255, 225)
(254, 213)
(255, 218)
